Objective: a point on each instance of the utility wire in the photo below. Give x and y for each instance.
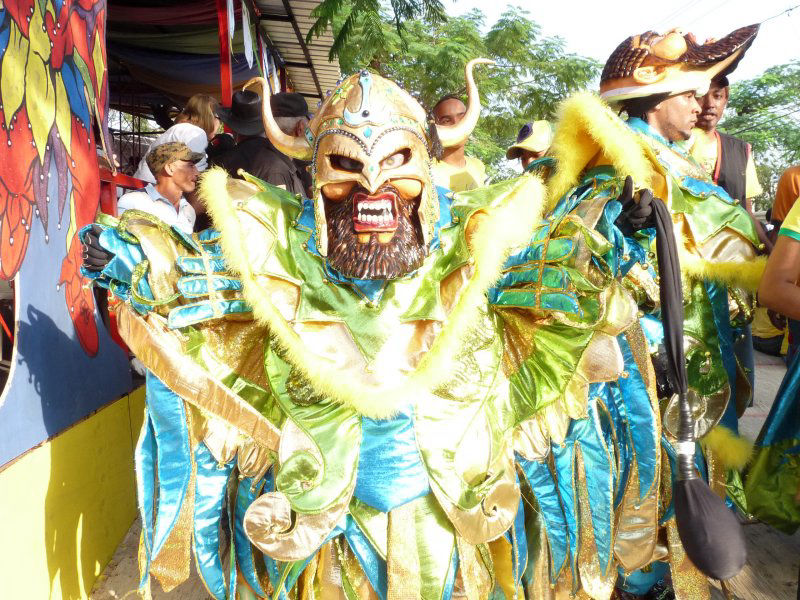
(666, 20)
(765, 123)
(770, 116)
(780, 14)
(708, 12)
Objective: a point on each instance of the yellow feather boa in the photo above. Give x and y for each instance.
(506, 226)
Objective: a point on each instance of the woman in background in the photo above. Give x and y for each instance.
(195, 125)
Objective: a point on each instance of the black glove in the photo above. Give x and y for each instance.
(635, 214)
(95, 257)
(665, 386)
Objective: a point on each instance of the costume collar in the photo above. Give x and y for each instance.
(641, 126)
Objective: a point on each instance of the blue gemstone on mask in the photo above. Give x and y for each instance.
(368, 132)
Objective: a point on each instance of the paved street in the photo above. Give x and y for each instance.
(773, 557)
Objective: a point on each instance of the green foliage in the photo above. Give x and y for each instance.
(345, 16)
(765, 111)
(533, 72)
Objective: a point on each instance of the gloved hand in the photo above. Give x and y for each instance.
(95, 257)
(636, 213)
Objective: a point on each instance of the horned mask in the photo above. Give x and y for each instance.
(671, 63)
(369, 145)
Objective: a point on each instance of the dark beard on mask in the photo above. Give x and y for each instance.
(400, 256)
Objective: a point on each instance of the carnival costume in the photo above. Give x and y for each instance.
(462, 413)
(595, 150)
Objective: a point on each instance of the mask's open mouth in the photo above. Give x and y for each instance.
(374, 215)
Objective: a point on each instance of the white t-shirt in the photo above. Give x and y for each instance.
(189, 134)
(150, 201)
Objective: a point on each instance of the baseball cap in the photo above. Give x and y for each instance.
(163, 154)
(535, 137)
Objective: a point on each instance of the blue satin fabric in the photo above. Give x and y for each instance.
(192, 265)
(211, 481)
(118, 272)
(197, 312)
(642, 426)
(599, 471)
(144, 459)
(390, 470)
(618, 416)
(544, 488)
(519, 543)
(372, 289)
(246, 493)
(718, 295)
(783, 421)
(640, 582)
(371, 562)
(174, 464)
(197, 286)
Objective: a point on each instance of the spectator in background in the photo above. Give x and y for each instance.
(175, 167)
(253, 152)
(195, 125)
(455, 171)
(728, 160)
(533, 142)
(786, 195)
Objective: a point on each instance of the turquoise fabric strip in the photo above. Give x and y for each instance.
(599, 470)
(619, 423)
(197, 312)
(519, 542)
(145, 488)
(196, 286)
(196, 266)
(783, 421)
(371, 562)
(168, 417)
(544, 488)
(246, 493)
(209, 504)
(718, 295)
(390, 470)
(641, 423)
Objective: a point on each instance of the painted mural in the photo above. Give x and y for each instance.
(53, 109)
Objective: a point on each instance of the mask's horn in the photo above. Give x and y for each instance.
(290, 145)
(456, 135)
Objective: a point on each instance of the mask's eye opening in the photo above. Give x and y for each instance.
(345, 163)
(398, 159)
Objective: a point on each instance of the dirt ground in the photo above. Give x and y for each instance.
(770, 574)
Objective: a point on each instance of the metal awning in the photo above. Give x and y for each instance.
(286, 24)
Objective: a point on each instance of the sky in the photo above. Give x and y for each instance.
(595, 28)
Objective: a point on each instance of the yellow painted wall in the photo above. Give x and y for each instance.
(65, 506)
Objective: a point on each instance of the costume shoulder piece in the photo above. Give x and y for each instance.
(718, 237)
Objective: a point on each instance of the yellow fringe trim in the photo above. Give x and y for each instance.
(733, 451)
(585, 127)
(746, 274)
(504, 227)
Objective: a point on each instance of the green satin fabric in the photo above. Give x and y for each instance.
(311, 485)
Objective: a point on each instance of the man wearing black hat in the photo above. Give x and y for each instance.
(254, 153)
